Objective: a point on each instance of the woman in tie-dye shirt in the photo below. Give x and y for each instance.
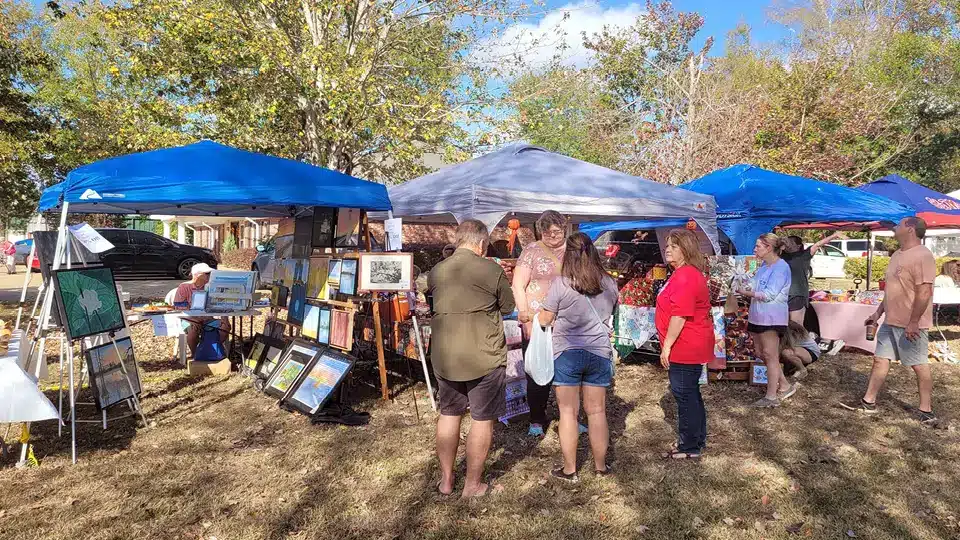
(769, 314)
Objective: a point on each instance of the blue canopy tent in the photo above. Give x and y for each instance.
(752, 201)
(208, 179)
(936, 209)
(523, 181)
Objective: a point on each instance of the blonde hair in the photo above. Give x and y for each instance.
(690, 247)
(793, 336)
(772, 241)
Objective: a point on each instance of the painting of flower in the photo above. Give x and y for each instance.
(88, 301)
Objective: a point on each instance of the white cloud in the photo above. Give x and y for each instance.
(556, 34)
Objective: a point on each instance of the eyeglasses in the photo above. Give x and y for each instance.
(554, 233)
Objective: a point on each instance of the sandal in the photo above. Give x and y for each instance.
(605, 472)
(560, 475)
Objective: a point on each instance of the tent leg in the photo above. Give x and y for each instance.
(26, 284)
(869, 260)
(381, 359)
(73, 409)
(60, 406)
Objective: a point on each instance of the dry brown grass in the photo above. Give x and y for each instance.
(223, 461)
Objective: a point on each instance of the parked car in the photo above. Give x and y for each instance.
(858, 247)
(23, 251)
(142, 252)
(827, 263)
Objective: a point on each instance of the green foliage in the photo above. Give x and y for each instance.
(230, 244)
(856, 267)
(23, 129)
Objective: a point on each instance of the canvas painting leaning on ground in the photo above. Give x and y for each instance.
(107, 378)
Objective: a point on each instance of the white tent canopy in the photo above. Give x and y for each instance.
(523, 181)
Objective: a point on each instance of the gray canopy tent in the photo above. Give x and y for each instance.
(522, 181)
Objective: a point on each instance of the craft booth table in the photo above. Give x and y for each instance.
(200, 179)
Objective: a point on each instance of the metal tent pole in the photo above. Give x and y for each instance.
(26, 284)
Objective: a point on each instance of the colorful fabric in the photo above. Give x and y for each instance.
(639, 291)
(738, 341)
(635, 324)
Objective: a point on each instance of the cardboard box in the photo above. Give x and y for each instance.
(197, 368)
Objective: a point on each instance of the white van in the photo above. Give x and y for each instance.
(857, 247)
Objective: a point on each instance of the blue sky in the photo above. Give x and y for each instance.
(720, 16)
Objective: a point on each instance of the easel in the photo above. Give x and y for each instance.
(44, 329)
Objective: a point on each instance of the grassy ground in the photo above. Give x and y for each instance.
(224, 462)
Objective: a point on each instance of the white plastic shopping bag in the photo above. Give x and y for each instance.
(538, 360)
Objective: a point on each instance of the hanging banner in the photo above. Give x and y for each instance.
(393, 229)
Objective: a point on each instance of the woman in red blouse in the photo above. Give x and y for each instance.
(686, 339)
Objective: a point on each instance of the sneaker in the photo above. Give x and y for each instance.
(800, 375)
(536, 430)
(788, 393)
(560, 475)
(928, 419)
(835, 347)
(864, 407)
(766, 403)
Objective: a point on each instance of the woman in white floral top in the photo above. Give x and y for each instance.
(537, 267)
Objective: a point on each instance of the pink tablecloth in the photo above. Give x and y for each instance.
(844, 320)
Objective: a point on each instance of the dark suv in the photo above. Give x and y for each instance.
(142, 252)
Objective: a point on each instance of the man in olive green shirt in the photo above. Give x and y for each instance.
(469, 352)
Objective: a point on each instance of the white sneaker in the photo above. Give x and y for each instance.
(835, 347)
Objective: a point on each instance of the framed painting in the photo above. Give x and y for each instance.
(270, 355)
(198, 300)
(296, 308)
(386, 272)
(87, 301)
(319, 381)
(311, 321)
(278, 295)
(302, 231)
(323, 326)
(317, 278)
(333, 275)
(348, 277)
(324, 227)
(341, 329)
(107, 380)
(295, 358)
(348, 227)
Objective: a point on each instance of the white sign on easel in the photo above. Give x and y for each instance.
(393, 229)
(90, 238)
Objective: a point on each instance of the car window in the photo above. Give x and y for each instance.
(831, 251)
(114, 236)
(856, 245)
(836, 243)
(878, 246)
(283, 246)
(142, 238)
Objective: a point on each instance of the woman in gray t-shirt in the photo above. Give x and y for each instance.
(579, 306)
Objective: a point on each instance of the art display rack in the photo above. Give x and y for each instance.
(45, 329)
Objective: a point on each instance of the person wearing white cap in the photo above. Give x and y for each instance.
(201, 275)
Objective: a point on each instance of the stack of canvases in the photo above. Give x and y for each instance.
(90, 311)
